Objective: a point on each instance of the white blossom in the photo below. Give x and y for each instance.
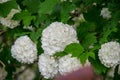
(8, 21)
(109, 54)
(3, 1)
(57, 36)
(24, 50)
(68, 64)
(105, 13)
(48, 66)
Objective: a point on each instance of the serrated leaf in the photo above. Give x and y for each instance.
(47, 6)
(25, 16)
(75, 49)
(6, 7)
(83, 57)
(32, 5)
(91, 54)
(89, 40)
(65, 11)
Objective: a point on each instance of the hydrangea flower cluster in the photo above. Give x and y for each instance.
(24, 50)
(105, 13)
(68, 64)
(8, 21)
(109, 54)
(54, 39)
(48, 66)
(56, 36)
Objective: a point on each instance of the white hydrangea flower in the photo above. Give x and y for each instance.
(105, 13)
(48, 66)
(3, 1)
(109, 54)
(28, 74)
(8, 20)
(24, 50)
(56, 36)
(68, 64)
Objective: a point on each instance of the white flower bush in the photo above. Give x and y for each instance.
(24, 50)
(109, 54)
(8, 21)
(57, 36)
(68, 64)
(105, 13)
(48, 66)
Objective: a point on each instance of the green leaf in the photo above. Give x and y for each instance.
(84, 29)
(107, 31)
(91, 54)
(89, 40)
(6, 7)
(40, 19)
(83, 57)
(93, 11)
(75, 49)
(36, 35)
(20, 34)
(65, 11)
(25, 16)
(32, 5)
(39, 48)
(110, 27)
(60, 54)
(47, 6)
